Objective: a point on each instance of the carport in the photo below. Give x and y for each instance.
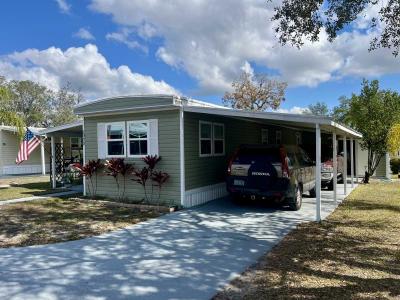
(312, 126)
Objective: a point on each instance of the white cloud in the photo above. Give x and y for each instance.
(64, 6)
(123, 36)
(85, 34)
(213, 40)
(83, 67)
(293, 110)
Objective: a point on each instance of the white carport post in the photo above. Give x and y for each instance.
(352, 162)
(334, 160)
(318, 171)
(84, 157)
(345, 165)
(53, 162)
(42, 156)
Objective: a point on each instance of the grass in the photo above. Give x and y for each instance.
(57, 220)
(353, 254)
(26, 186)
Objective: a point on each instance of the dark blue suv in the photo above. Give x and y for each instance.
(281, 173)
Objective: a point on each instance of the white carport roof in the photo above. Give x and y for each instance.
(309, 121)
(301, 120)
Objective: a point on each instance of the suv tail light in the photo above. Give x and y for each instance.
(284, 162)
(231, 160)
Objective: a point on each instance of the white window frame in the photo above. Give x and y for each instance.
(115, 140)
(278, 135)
(264, 136)
(298, 138)
(137, 139)
(215, 139)
(206, 139)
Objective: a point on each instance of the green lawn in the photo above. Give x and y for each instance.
(354, 254)
(20, 187)
(56, 220)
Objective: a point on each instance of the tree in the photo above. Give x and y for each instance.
(319, 109)
(255, 92)
(393, 140)
(300, 20)
(38, 105)
(62, 106)
(373, 113)
(340, 112)
(30, 100)
(9, 117)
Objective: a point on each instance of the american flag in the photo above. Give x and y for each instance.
(28, 144)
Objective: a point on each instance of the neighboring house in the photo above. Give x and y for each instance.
(195, 140)
(9, 145)
(383, 169)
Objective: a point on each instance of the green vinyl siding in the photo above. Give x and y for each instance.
(123, 103)
(204, 171)
(168, 140)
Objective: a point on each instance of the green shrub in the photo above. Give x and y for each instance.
(395, 165)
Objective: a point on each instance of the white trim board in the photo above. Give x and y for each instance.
(204, 194)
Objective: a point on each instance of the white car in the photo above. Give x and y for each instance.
(327, 172)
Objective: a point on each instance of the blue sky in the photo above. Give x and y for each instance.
(186, 48)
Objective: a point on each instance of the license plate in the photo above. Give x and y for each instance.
(238, 182)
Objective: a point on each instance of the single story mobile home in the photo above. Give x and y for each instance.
(195, 140)
(9, 146)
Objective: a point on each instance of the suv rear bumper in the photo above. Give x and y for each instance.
(243, 192)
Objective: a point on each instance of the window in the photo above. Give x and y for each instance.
(138, 138)
(115, 137)
(127, 139)
(219, 139)
(205, 138)
(211, 139)
(278, 137)
(264, 136)
(76, 143)
(298, 138)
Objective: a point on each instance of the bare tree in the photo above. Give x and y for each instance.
(255, 92)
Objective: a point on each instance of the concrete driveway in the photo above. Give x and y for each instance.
(185, 255)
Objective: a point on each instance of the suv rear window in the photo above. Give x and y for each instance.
(272, 154)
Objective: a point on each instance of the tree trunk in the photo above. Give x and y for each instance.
(366, 177)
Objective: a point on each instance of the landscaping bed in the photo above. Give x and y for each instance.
(353, 254)
(57, 220)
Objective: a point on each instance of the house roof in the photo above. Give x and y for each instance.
(75, 126)
(164, 102)
(35, 130)
(172, 97)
